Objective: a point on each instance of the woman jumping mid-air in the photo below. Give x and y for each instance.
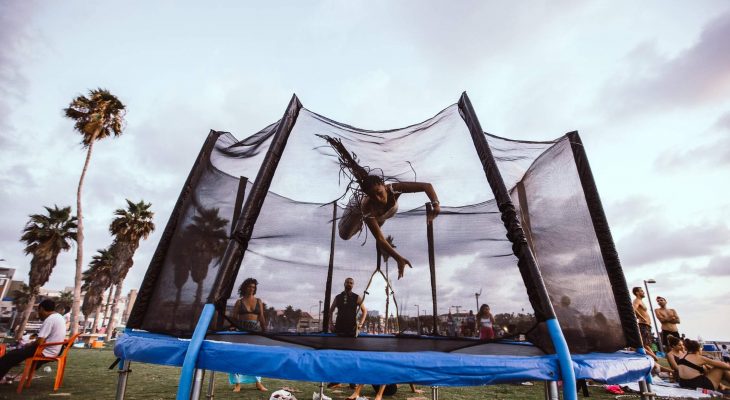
(373, 201)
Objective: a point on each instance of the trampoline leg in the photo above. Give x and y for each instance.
(321, 389)
(551, 390)
(211, 387)
(198, 379)
(645, 390)
(122, 380)
(434, 393)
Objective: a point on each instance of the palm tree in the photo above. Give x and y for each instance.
(45, 237)
(98, 116)
(97, 279)
(208, 238)
(199, 243)
(65, 300)
(20, 301)
(129, 227)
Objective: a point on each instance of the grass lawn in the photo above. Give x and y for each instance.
(88, 377)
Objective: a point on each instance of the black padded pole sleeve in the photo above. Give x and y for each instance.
(330, 268)
(606, 243)
(136, 317)
(531, 275)
(238, 244)
(432, 267)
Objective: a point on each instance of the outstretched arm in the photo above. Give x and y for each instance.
(415, 187)
(383, 244)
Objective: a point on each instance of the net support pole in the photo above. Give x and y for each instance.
(536, 290)
(330, 269)
(432, 266)
(185, 386)
(233, 256)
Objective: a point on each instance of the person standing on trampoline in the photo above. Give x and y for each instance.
(374, 202)
(248, 312)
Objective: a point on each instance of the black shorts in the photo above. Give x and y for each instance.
(665, 335)
(697, 382)
(646, 336)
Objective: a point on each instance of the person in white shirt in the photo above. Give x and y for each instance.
(52, 330)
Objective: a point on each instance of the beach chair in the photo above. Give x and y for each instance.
(38, 358)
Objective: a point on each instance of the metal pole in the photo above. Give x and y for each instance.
(418, 319)
(321, 390)
(551, 390)
(211, 387)
(653, 316)
(432, 266)
(434, 393)
(122, 380)
(330, 268)
(197, 383)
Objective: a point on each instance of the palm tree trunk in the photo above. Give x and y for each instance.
(108, 304)
(26, 316)
(76, 309)
(111, 326)
(97, 314)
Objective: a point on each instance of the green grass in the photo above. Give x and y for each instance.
(88, 377)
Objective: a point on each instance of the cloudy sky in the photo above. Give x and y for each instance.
(647, 84)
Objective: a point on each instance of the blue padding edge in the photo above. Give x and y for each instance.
(425, 368)
(565, 362)
(190, 363)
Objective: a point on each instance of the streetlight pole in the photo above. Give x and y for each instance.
(651, 307)
(477, 296)
(418, 318)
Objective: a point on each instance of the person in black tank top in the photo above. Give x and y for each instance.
(346, 304)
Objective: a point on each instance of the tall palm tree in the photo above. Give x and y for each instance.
(96, 117)
(45, 237)
(129, 227)
(97, 279)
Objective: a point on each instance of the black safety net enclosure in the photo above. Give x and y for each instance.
(521, 229)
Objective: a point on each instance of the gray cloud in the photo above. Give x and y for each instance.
(656, 242)
(718, 266)
(715, 153)
(697, 75)
(629, 210)
(13, 83)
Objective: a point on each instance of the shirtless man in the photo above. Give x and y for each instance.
(642, 317)
(668, 318)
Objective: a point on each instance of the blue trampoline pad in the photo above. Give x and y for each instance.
(424, 368)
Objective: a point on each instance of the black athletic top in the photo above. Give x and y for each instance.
(688, 363)
(346, 313)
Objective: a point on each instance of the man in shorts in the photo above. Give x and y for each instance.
(642, 317)
(669, 320)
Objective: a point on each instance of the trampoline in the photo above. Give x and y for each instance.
(533, 234)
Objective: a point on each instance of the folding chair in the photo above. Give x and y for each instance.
(33, 362)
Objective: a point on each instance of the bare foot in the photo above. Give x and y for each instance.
(261, 387)
(237, 387)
